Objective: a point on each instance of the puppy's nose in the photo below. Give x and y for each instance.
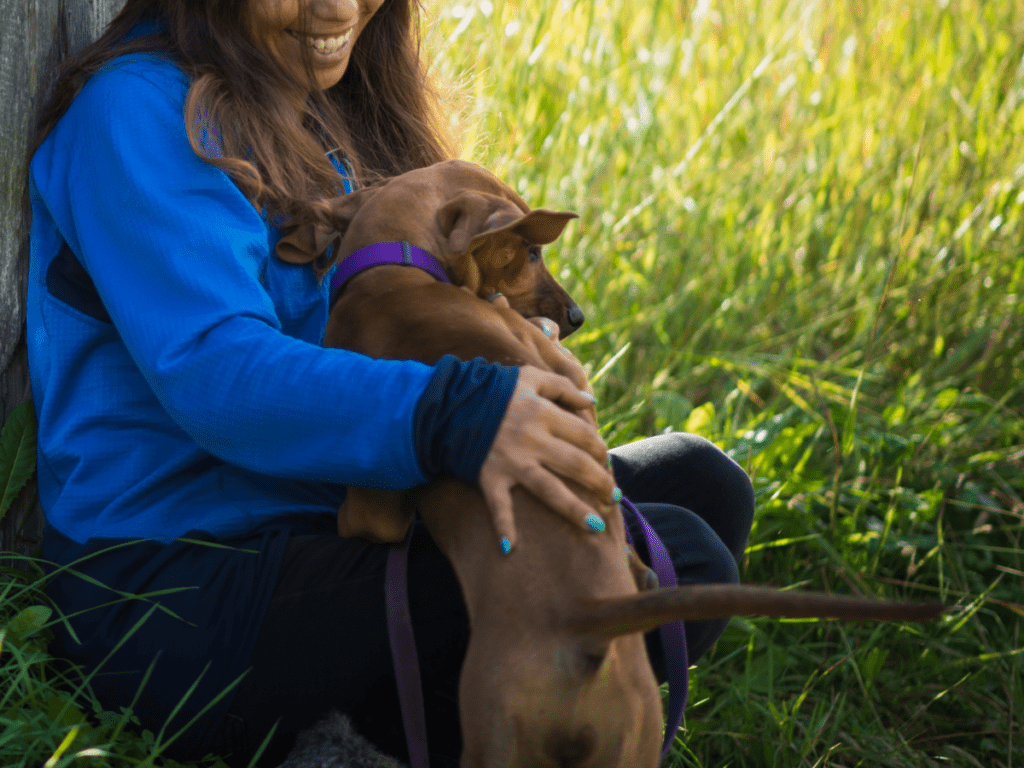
(575, 316)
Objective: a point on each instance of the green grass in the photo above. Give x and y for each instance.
(801, 236)
(48, 712)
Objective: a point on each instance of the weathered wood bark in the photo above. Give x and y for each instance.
(34, 36)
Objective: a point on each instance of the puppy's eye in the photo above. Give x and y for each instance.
(534, 253)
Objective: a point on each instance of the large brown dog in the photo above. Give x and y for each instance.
(556, 674)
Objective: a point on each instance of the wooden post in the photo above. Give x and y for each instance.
(33, 35)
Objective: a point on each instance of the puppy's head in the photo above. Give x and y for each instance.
(495, 247)
(484, 235)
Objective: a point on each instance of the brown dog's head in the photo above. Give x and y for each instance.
(484, 235)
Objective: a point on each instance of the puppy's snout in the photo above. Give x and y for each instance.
(576, 317)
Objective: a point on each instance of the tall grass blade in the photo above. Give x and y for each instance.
(17, 454)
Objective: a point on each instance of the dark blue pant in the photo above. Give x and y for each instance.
(323, 644)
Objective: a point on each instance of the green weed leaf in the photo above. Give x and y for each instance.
(700, 419)
(671, 410)
(63, 712)
(17, 454)
(872, 665)
(849, 430)
(26, 623)
(946, 398)
(764, 669)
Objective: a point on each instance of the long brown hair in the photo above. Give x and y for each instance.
(383, 115)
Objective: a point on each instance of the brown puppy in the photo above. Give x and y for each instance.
(488, 241)
(556, 674)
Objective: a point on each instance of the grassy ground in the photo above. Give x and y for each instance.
(801, 236)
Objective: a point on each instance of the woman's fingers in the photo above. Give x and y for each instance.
(538, 444)
(556, 494)
(545, 485)
(497, 494)
(555, 414)
(547, 326)
(559, 390)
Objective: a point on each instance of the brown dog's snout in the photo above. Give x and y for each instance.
(567, 314)
(549, 299)
(574, 315)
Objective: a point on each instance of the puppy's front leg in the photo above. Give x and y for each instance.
(382, 517)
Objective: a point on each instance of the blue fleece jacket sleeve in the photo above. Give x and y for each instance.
(459, 415)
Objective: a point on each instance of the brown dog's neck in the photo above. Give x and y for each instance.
(386, 277)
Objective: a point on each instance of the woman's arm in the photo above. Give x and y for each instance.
(175, 252)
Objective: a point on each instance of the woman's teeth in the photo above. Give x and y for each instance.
(326, 45)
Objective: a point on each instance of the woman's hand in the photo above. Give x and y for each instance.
(540, 441)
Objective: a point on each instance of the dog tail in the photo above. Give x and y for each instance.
(700, 602)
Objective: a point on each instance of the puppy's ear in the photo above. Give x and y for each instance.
(303, 243)
(538, 227)
(541, 226)
(472, 215)
(305, 240)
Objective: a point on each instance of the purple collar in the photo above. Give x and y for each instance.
(384, 253)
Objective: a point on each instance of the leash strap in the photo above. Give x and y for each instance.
(384, 253)
(673, 638)
(403, 652)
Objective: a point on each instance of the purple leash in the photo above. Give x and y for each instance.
(396, 577)
(403, 652)
(673, 638)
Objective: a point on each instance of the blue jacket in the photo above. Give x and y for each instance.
(176, 363)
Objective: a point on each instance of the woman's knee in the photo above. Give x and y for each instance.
(698, 552)
(689, 471)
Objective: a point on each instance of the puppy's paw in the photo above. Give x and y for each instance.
(382, 517)
(645, 578)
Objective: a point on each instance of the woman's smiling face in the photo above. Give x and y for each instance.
(322, 30)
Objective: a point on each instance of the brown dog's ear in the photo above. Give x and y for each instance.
(541, 226)
(538, 227)
(307, 241)
(472, 214)
(303, 243)
(472, 217)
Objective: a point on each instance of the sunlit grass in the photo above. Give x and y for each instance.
(801, 236)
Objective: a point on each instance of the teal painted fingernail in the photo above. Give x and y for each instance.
(595, 522)
(609, 461)
(546, 329)
(616, 495)
(506, 545)
(589, 397)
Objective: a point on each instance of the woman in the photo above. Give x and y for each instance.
(195, 439)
